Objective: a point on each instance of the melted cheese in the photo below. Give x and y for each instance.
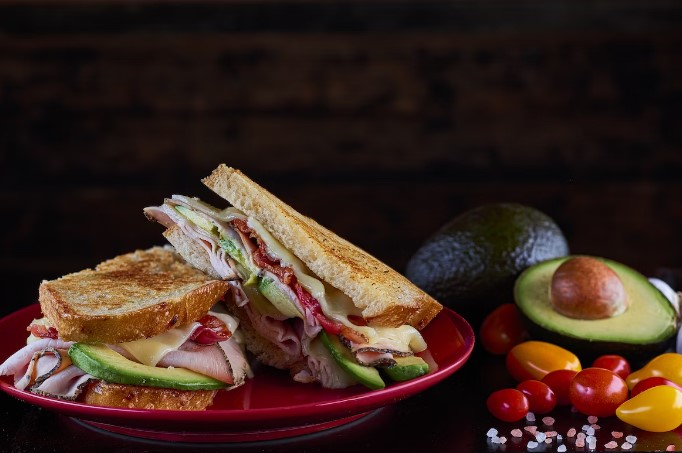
(335, 304)
(149, 351)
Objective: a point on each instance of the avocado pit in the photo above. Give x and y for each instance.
(585, 288)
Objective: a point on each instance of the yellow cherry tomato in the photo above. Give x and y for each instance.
(657, 409)
(534, 359)
(668, 365)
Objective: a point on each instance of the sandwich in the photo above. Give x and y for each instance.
(308, 301)
(141, 330)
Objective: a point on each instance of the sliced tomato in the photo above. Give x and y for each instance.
(211, 331)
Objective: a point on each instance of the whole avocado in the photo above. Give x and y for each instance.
(471, 263)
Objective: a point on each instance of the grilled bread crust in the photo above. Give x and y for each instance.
(101, 393)
(385, 297)
(132, 296)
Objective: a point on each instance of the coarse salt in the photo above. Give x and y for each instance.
(612, 444)
(561, 448)
(592, 443)
(549, 421)
(580, 443)
(626, 446)
(616, 434)
(590, 431)
(548, 440)
(492, 432)
(532, 444)
(581, 435)
(595, 426)
(670, 447)
(550, 433)
(571, 432)
(503, 440)
(517, 433)
(540, 437)
(631, 439)
(559, 438)
(495, 439)
(592, 419)
(531, 429)
(585, 427)
(530, 417)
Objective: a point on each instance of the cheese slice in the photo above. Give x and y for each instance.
(149, 351)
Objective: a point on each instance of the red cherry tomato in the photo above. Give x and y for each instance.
(541, 398)
(615, 363)
(502, 329)
(598, 391)
(655, 381)
(509, 405)
(560, 381)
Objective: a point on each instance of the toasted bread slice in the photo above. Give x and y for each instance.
(190, 251)
(385, 297)
(100, 393)
(132, 296)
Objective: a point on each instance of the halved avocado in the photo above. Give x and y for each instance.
(645, 329)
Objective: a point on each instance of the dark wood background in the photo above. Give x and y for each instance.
(383, 120)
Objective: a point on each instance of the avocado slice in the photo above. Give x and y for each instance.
(278, 298)
(197, 219)
(108, 365)
(366, 375)
(644, 329)
(407, 368)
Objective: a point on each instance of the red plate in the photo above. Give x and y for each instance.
(269, 406)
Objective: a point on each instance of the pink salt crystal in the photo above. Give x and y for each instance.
(571, 432)
(612, 444)
(592, 419)
(549, 421)
(580, 443)
(516, 433)
(581, 435)
(531, 429)
(616, 434)
(670, 447)
(595, 426)
(548, 440)
(550, 433)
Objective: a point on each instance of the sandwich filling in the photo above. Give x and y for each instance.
(210, 346)
(284, 301)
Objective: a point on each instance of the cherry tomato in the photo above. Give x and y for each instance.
(534, 359)
(560, 382)
(597, 391)
(541, 399)
(502, 329)
(615, 363)
(509, 405)
(654, 381)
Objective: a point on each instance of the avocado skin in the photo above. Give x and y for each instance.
(586, 348)
(470, 264)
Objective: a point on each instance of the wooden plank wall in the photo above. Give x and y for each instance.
(383, 120)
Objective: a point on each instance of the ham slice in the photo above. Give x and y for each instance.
(207, 360)
(17, 363)
(281, 333)
(67, 384)
(321, 367)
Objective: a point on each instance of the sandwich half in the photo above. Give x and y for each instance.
(142, 330)
(308, 300)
